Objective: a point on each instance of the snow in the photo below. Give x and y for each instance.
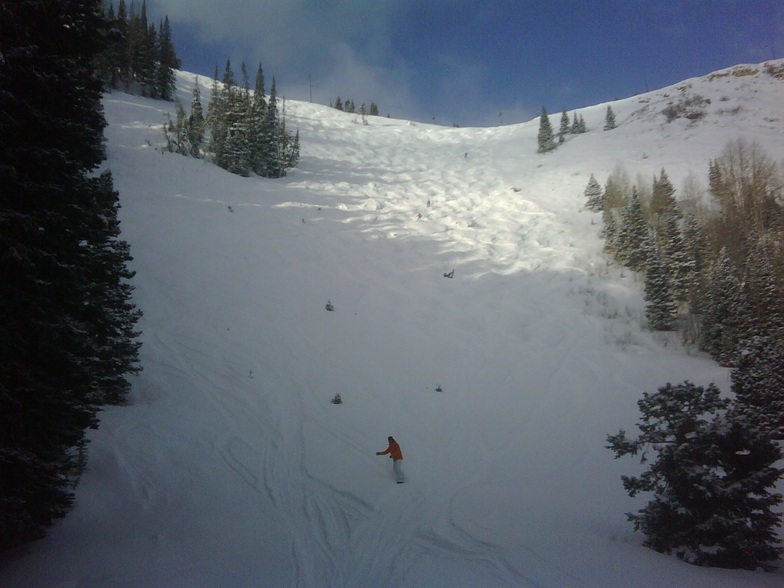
(232, 467)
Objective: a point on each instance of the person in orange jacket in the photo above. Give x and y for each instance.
(397, 459)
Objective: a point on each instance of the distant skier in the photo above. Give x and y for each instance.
(397, 459)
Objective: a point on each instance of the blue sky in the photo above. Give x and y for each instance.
(473, 63)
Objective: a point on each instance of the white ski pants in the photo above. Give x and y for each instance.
(397, 466)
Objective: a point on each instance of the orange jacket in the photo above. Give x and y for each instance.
(394, 450)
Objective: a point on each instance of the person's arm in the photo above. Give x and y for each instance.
(384, 452)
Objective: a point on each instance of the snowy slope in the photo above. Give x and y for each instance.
(231, 467)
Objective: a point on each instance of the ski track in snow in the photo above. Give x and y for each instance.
(232, 462)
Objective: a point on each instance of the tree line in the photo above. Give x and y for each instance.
(137, 57)
(350, 107)
(68, 337)
(546, 136)
(243, 132)
(716, 271)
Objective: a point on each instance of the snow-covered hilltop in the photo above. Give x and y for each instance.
(231, 467)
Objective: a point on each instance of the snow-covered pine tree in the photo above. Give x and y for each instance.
(578, 125)
(273, 161)
(546, 140)
(293, 154)
(633, 244)
(711, 479)
(564, 129)
(575, 128)
(609, 119)
(215, 122)
(758, 381)
(594, 195)
(766, 291)
(663, 198)
(720, 328)
(196, 123)
(661, 310)
(258, 113)
(675, 255)
(176, 133)
(238, 141)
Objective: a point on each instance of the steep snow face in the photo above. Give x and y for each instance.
(231, 467)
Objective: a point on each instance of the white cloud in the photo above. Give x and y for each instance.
(327, 49)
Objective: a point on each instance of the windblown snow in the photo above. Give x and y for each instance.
(232, 467)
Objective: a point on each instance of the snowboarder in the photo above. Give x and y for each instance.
(397, 459)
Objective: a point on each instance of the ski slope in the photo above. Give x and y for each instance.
(231, 467)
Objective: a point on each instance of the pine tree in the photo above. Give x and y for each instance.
(196, 122)
(575, 128)
(237, 147)
(166, 63)
(594, 195)
(663, 198)
(273, 158)
(758, 381)
(661, 310)
(564, 129)
(633, 242)
(258, 115)
(723, 300)
(766, 291)
(609, 119)
(675, 255)
(293, 156)
(143, 51)
(711, 479)
(546, 139)
(67, 325)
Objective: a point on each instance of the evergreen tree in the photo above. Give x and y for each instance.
(723, 300)
(675, 255)
(575, 128)
(258, 115)
(633, 243)
(594, 195)
(373, 109)
(176, 133)
(273, 158)
(661, 310)
(167, 62)
(119, 48)
(663, 198)
(67, 325)
(564, 129)
(237, 147)
(758, 381)
(609, 119)
(711, 479)
(293, 156)
(546, 139)
(143, 51)
(196, 122)
(766, 292)
(578, 125)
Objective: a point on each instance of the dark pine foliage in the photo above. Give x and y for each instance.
(67, 323)
(137, 57)
(711, 475)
